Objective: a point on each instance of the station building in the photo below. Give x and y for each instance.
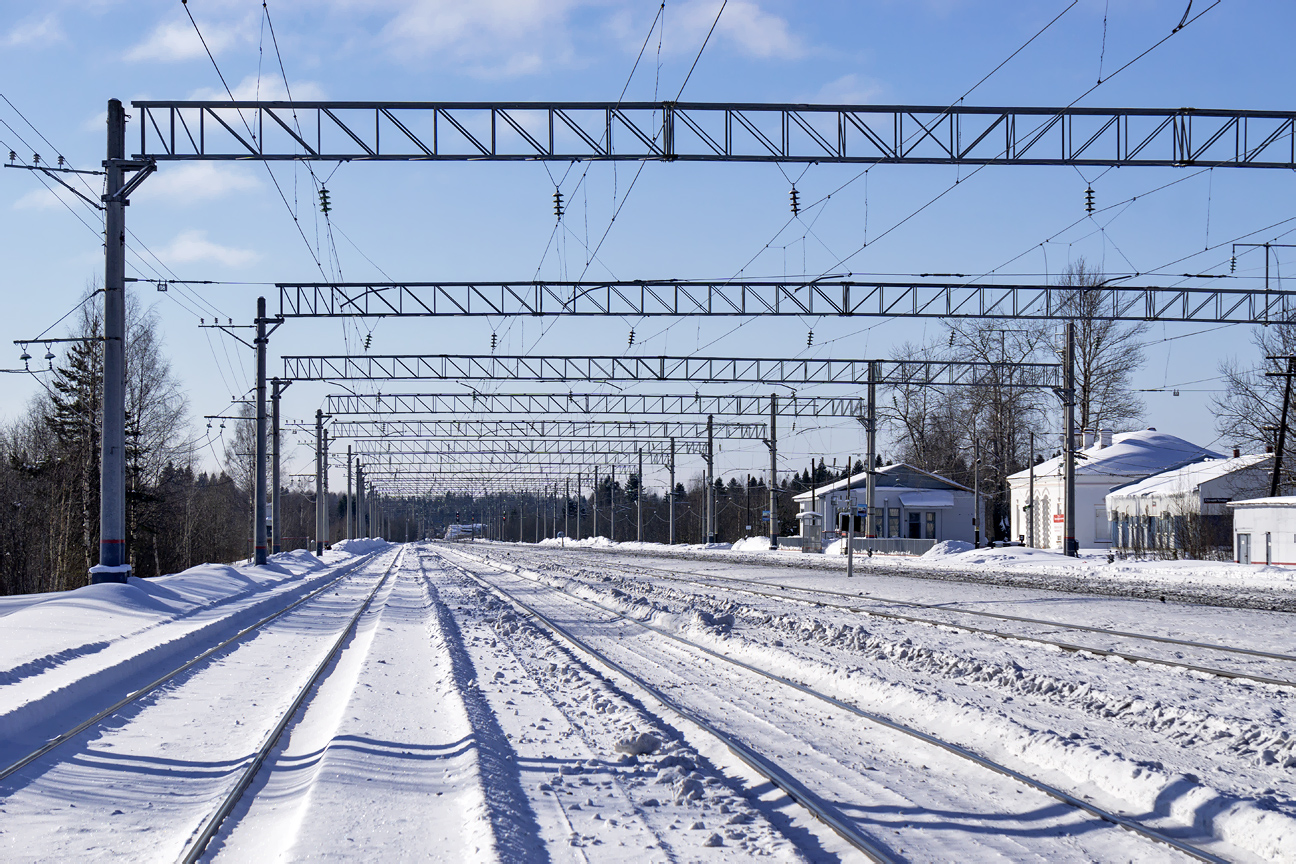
(1264, 530)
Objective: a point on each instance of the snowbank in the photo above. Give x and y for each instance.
(752, 544)
(359, 546)
(945, 548)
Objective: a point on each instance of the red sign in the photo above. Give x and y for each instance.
(1058, 518)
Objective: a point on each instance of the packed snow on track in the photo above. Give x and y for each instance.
(518, 703)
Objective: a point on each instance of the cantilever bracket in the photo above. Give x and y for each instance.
(143, 168)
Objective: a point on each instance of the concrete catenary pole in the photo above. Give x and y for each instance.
(870, 467)
(1070, 546)
(671, 494)
(612, 503)
(113, 566)
(850, 522)
(640, 495)
(594, 499)
(710, 496)
(359, 502)
(349, 500)
(259, 519)
(319, 482)
(1030, 498)
(276, 496)
(773, 478)
(580, 504)
(566, 509)
(326, 521)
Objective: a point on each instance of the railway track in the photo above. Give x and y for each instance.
(813, 596)
(117, 717)
(760, 761)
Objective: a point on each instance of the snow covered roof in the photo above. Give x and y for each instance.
(1131, 454)
(1188, 477)
(888, 478)
(1279, 501)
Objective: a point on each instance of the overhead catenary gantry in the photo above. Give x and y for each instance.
(695, 370)
(713, 132)
(589, 404)
(1113, 301)
(635, 131)
(553, 429)
(519, 449)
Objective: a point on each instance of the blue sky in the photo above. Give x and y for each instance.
(61, 62)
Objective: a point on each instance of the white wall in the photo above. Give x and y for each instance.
(1050, 498)
(1278, 521)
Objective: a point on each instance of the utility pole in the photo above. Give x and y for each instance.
(640, 491)
(324, 473)
(870, 468)
(259, 517)
(612, 504)
(710, 477)
(580, 504)
(850, 523)
(113, 565)
(566, 510)
(773, 481)
(276, 524)
(319, 482)
(671, 495)
(349, 500)
(594, 500)
(359, 502)
(1070, 546)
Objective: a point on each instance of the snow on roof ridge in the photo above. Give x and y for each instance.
(1195, 473)
(1141, 443)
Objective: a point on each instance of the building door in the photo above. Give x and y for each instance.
(915, 526)
(1244, 548)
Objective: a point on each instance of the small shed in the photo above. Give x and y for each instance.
(1264, 530)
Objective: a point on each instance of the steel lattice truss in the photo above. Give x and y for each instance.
(565, 429)
(451, 448)
(684, 369)
(589, 404)
(726, 298)
(713, 132)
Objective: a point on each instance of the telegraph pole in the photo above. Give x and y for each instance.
(259, 537)
(773, 481)
(276, 526)
(671, 498)
(319, 482)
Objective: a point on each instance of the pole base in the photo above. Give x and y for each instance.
(103, 573)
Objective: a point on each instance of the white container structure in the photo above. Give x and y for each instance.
(1264, 530)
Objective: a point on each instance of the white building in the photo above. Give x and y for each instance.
(911, 505)
(1104, 461)
(1154, 513)
(1264, 530)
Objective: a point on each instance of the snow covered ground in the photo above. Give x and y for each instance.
(917, 709)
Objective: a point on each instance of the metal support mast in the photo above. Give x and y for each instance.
(350, 502)
(710, 480)
(773, 481)
(671, 493)
(1069, 544)
(276, 525)
(319, 482)
(1275, 485)
(870, 469)
(594, 499)
(259, 538)
(639, 494)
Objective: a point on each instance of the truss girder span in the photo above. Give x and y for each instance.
(519, 450)
(563, 429)
(837, 298)
(713, 132)
(589, 404)
(680, 369)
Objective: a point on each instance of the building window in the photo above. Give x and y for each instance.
(893, 522)
(931, 526)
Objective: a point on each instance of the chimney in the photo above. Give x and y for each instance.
(1237, 452)
(1088, 438)
(1105, 435)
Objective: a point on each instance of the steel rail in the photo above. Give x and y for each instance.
(150, 687)
(792, 787)
(199, 843)
(1066, 646)
(1052, 791)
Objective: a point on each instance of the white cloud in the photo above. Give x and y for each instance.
(190, 247)
(35, 30)
(744, 25)
(191, 182)
(171, 41)
(270, 88)
(46, 199)
(850, 89)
